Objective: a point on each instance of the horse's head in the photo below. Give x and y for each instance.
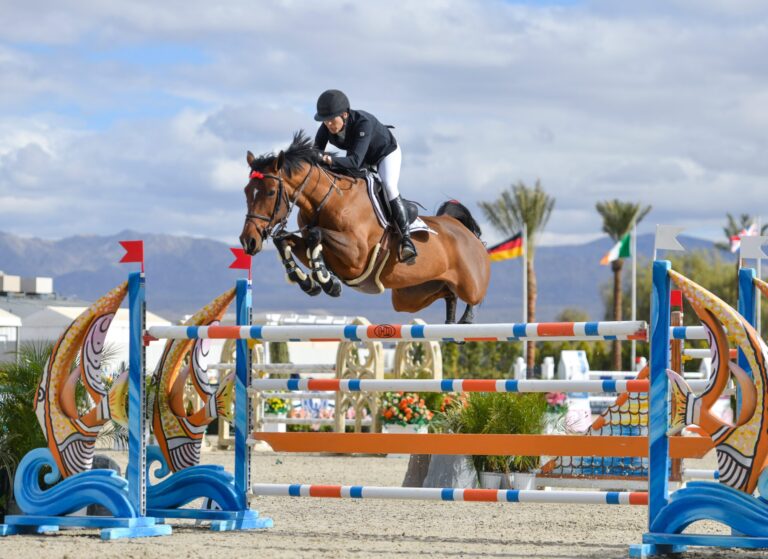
(267, 201)
(276, 184)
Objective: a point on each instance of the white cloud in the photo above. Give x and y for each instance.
(659, 102)
(229, 174)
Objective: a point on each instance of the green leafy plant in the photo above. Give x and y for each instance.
(19, 429)
(497, 413)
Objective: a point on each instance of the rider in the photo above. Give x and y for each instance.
(367, 142)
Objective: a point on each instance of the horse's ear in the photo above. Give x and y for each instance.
(279, 161)
(250, 159)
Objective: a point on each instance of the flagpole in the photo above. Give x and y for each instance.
(634, 291)
(525, 293)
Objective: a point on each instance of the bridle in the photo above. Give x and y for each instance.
(290, 203)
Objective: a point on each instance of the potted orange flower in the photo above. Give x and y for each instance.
(404, 412)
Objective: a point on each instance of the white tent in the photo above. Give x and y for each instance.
(9, 335)
(50, 322)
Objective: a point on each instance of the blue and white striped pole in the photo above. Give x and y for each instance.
(451, 494)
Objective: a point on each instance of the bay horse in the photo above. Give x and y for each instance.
(340, 237)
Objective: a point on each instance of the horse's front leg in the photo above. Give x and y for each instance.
(320, 272)
(285, 244)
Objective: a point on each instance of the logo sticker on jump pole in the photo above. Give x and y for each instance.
(384, 331)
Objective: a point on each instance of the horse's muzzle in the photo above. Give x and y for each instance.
(251, 245)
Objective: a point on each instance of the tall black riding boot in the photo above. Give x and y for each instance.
(407, 250)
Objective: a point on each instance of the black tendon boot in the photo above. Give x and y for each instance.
(407, 250)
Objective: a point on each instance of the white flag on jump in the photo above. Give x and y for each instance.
(666, 238)
(752, 247)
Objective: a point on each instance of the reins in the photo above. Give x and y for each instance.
(290, 202)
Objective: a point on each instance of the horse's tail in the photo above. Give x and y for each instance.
(459, 211)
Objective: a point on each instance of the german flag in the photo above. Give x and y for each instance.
(505, 250)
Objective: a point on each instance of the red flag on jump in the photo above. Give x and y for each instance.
(242, 260)
(676, 298)
(134, 252)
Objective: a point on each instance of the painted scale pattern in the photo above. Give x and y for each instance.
(70, 436)
(741, 449)
(179, 434)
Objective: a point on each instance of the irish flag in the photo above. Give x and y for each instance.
(619, 250)
(511, 248)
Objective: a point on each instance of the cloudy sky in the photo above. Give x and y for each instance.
(138, 114)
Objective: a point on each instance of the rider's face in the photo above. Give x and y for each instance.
(335, 124)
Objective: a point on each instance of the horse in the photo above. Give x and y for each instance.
(341, 238)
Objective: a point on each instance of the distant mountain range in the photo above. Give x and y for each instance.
(185, 273)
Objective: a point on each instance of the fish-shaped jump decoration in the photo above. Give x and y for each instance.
(77, 356)
(761, 285)
(179, 433)
(742, 448)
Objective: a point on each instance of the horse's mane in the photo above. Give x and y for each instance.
(301, 150)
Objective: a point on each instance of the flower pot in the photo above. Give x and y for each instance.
(491, 480)
(273, 423)
(523, 481)
(409, 429)
(397, 428)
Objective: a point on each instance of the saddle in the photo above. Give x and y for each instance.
(379, 197)
(411, 207)
(369, 281)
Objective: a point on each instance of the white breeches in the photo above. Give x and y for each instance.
(389, 171)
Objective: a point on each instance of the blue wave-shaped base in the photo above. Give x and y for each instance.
(95, 487)
(181, 488)
(702, 500)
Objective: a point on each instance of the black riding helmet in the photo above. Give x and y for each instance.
(331, 104)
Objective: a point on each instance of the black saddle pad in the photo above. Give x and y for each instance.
(354, 173)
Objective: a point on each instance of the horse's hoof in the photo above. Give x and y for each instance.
(310, 287)
(313, 291)
(332, 288)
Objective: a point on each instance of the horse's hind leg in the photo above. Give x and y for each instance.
(416, 297)
(468, 316)
(450, 308)
(285, 245)
(329, 283)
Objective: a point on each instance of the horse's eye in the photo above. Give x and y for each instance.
(271, 193)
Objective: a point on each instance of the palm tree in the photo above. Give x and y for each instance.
(518, 206)
(20, 431)
(618, 218)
